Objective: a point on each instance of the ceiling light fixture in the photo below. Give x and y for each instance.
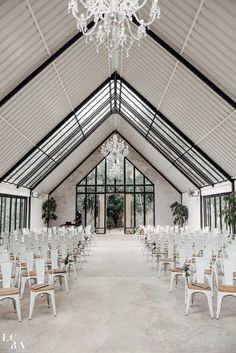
(115, 151)
(112, 21)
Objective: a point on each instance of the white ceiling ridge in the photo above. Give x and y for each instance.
(17, 130)
(53, 64)
(215, 127)
(181, 52)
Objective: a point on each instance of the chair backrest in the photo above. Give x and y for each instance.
(63, 250)
(40, 270)
(207, 255)
(228, 271)
(4, 257)
(29, 260)
(200, 267)
(6, 270)
(231, 254)
(182, 257)
(54, 259)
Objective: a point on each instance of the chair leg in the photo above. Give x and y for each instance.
(219, 303)
(14, 304)
(32, 300)
(74, 268)
(171, 282)
(209, 299)
(17, 303)
(47, 297)
(188, 300)
(53, 303)
(66, 284)
(159, 274)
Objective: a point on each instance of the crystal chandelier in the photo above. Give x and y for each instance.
(112, 21)
(115, 151)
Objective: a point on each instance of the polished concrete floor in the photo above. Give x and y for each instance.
(118, 305)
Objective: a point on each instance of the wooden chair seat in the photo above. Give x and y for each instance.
(167, 259)
(29, 274)
(231, 289)
(177, 270)
(9, 291)
(199, 286)
(41, 287)
(57, 271)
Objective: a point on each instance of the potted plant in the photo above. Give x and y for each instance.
(180, 213)
(229, 211)
(48, 210)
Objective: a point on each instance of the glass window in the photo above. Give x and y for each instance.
(97, 189)
(13, 213)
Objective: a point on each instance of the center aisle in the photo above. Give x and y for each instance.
(118, 305)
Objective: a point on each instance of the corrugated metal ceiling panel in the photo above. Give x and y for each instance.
(11, 153)
(221, 145)
(38, 107)
(20, 45)
(148, 69)
(55, 23)
(212, 45)
(175, 20)
(191, 106)
(82, 70)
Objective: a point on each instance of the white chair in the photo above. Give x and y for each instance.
(227, 288)
(41, 287)
(178, 270)
(7, 291)
(55, 271)
(29, 274)
(199, 287)
(168, 260)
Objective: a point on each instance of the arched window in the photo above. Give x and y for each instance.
(123, 202)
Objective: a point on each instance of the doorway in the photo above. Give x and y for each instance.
(115, 211)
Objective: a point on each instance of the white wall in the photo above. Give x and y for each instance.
(193, 205)
(36, 220)
(165, 194)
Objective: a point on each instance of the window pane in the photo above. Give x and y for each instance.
(139, 209)
(90, 216)
(149, 209)
(81, 207)
(101, 173)
(91, 178)
(129, 172)
(138, 177)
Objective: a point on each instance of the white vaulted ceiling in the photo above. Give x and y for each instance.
(202, 31)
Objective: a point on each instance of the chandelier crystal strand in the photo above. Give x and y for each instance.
(115, 151)
(112, 19)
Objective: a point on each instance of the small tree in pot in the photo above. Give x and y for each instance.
(48, 210)
(180, 213)
(229, 211)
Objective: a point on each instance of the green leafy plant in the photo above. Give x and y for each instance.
(180, 213)
(186, 269)
(48, 210)
(66, 260)
(229, 211)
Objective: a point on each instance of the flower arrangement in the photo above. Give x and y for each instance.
(186, 269)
